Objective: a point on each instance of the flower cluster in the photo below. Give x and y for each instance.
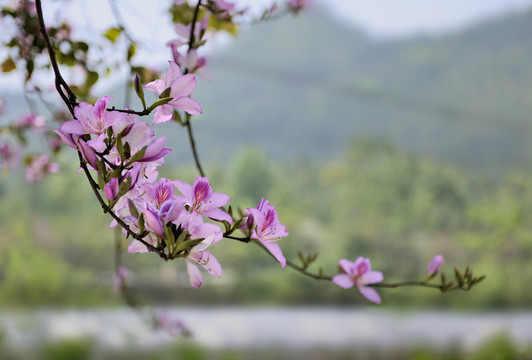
(169, 217)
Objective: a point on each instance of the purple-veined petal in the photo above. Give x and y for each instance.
(343, 281)
(258, 217)
(370, 294)
(153, 223)
(187, 104)
(275, 250)
(111, 190)
(88, 154)
(161, 154)
(154, 148)
(157, 86)
(194, 274)
(101, 105)
(207, 261)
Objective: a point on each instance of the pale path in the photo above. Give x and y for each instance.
(300, 328)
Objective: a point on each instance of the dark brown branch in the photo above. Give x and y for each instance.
(68, 96)
(192, 40)
(193, 145)
(129, 111)
(120, 222)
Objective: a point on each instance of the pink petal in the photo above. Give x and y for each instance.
(163, 113)
(186, 190)
(194, 274)
(218, 200)
(67, 139)
(208, 262)
(371, 277)
(187, 104)
(155, 147)
(183, 86)
(72, 127)
(347, 266)
(182, 30)
(343, 281)
(137, 247)
(173, 73)
(157, 86)
(435, 263)
(275, 250)
(101, 105)
(370, 294)
(218, 214)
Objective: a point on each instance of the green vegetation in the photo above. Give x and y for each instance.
(376, 201)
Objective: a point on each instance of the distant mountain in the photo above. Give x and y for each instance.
(306, 86)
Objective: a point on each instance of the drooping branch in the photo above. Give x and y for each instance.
(70, 102)
(68, 96)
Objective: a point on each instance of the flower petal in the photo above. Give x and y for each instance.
(157, 86)
(370, 294)
(343, 281)
(275, 250)
(435, 263)
(187, 104)
(183, 85)
(194, 274)
(371, 277)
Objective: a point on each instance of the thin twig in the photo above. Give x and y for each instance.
(193, 145)
(69, 98)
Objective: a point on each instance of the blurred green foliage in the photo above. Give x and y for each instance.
(398, 209)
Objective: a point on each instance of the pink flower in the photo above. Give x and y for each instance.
(359, 274)
(39, 166)
(435, 263)
(120, 278)
(190, 60)
(9, 157)
(94, 119)
(267, 228)
(298, 4)
(199, 254)
(111, 190)
(183, 31)
(30, 121)
(180, 88)
(202, 200)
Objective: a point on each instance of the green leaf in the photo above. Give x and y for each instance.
(112, 34)
(92, 77)
(8, 65)
(133, 208)
(160, 102)
(139, 91)
(131, 50)
(165, 93)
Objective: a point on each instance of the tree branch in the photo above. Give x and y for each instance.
(69, 98)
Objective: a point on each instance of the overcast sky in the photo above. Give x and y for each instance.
(382, 18)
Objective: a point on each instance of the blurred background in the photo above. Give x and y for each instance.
(394, 132)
